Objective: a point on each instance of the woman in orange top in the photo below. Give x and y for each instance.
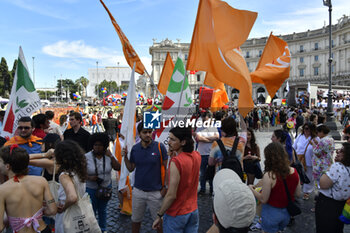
(179, 205)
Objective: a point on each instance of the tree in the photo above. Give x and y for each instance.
(45, 94)
(111, 87)
(13, 73)
(5, 78)
(66, 86)
(124, 87)
(83, 82)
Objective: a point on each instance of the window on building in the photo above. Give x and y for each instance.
(186, 56)
(198, 77)
(301, 48)
(301, 72)
(316, 46)
(247, 54)
(248, 64)
(260, 52)
(316, 57)
(332, 55)
(333, 69)
(333, 43)
(315, 70)
(301, 59)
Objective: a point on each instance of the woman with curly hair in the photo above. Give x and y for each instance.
(273, 195)
(72, 169)
(99, 169)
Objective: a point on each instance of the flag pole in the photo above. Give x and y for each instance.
(199, 104)
(149, 76)
(182, 90)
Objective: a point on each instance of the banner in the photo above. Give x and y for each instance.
(24, 100)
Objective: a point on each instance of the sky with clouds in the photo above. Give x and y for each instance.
(67, 37)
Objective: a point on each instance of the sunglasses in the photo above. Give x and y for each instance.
(23, 127)
(306, 128)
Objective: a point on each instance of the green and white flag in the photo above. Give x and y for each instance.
(24, 100)
(178, 105)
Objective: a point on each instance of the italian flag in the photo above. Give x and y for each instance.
(178, 104)
(24, 99)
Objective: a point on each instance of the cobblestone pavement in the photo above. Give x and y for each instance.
(304, 223)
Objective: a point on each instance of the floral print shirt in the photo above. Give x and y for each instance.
(322, 158)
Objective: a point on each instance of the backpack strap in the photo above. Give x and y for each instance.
(235, 145)
(224, 151)
(162, 168)
(222, 148)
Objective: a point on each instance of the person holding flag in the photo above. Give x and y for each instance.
(147, 157)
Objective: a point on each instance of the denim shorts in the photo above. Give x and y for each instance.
(274, 219)
(187, 223)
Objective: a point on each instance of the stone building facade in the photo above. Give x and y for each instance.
(309, 63)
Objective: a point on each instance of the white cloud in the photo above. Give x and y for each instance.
(307, 18)
(77, 52)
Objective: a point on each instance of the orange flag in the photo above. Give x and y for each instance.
(129, 52)
(218, 100)
(126, 206)
(217, 35)
(165, 77)
(274, 65)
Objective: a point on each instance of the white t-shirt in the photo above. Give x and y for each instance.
(205, 147)
(340, 175)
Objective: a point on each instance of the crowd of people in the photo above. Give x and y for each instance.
(51, 167)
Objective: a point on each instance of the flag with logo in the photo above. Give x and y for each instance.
(219, 31)
(165, 77)
(24, 100)
(129, 52)
(128, 128)
(274, 65)
(177, 105)
(218, 100)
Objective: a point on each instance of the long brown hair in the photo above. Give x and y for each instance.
(276, 160)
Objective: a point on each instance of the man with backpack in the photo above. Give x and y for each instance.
(229, 150)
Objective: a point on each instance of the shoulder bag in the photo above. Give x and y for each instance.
(80, 217)
(300, 169)
(292, 207)
(301, 157)
(102, 193)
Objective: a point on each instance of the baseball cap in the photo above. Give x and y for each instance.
(234, 202)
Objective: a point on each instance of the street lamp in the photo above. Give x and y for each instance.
(331, 122)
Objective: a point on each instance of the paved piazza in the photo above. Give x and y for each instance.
(304, 223)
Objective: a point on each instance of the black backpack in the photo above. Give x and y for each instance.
(230, 160)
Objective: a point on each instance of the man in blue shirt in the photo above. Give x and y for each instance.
(149, 188)
(26, 140)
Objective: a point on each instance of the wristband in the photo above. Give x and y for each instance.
(160, 215)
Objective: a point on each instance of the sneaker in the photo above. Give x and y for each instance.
(201, 192)
(255, 227)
